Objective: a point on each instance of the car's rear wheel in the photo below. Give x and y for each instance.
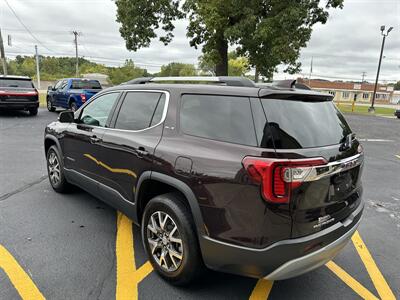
(33, 111)
(55, 171)
(50, 106)
(73, 106)
(170, 239)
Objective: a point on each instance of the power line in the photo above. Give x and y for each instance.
(26, 28)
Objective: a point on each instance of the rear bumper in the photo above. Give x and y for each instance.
(284, 259)
(18, 105)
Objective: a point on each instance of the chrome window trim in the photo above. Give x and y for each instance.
(163, 117)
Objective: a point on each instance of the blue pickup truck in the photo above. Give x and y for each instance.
(71, 93)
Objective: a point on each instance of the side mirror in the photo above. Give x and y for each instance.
(66, 117)
(50, 87)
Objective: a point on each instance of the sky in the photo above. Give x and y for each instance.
(342, 49)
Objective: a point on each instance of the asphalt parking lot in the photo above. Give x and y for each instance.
(75, 247)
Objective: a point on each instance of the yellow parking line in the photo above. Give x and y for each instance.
(350, 281)
(261, 290)
(21, 281)
(377, 278)
(398, 156)
(128, 277)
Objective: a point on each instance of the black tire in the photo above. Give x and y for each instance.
(73, 106)
(33, 111)
(50, 106)
(191, 265)
(61, 185)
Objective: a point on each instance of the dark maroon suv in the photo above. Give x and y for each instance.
(258, 181)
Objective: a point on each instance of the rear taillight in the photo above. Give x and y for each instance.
(83, 97)
(279, 177)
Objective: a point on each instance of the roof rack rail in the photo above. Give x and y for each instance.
(225, 80)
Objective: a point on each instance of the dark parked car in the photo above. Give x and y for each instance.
(71, 93)
(18, 93)
(397, 113)
(262, 182)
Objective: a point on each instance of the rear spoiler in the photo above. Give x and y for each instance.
(295, 94)
(284, 84)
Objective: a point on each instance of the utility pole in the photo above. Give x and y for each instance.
(309, 77)
(372, 109)
(363, 76)
(37, 68)
(75, 33)
(3, 55)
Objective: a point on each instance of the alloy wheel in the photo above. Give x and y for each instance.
(164, 241)
(54, 169)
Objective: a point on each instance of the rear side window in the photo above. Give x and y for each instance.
(16, 83)
(140, 110)
(222, 118)
(302, 124)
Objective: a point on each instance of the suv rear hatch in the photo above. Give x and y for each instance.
(17, 90)
(318, 161)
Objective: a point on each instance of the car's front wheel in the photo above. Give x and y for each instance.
(55, 171)
(170, 239)
(50, 106)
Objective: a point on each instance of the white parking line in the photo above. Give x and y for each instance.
(376, 140)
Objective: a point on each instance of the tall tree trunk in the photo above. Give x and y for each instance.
(221, 68)
(257, 75)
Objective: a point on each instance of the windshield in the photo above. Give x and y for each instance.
(86, 84)
(18, 83)
(302, 124)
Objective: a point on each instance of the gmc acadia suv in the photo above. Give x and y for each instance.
(257, 181)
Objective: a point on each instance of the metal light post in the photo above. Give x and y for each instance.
(372, 109)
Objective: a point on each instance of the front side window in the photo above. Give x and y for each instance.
(140, 110)
(63, 84)
(222, 118)
(97, 111)
(58, 84)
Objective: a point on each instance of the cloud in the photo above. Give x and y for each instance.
(346, 46)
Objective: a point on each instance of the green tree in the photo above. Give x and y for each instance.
(397, 86)
(268, 33)
(125, 73)
(177, 69)
(237, 65)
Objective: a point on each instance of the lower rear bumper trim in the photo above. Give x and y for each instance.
(304, 264)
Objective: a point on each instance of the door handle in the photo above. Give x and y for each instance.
(141, 151)
(94, 139)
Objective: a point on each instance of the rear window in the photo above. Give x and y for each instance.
(301, 124)
(86, 84)
(221, 118)
(20, 83)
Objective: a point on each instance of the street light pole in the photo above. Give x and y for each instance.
(372, 108)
